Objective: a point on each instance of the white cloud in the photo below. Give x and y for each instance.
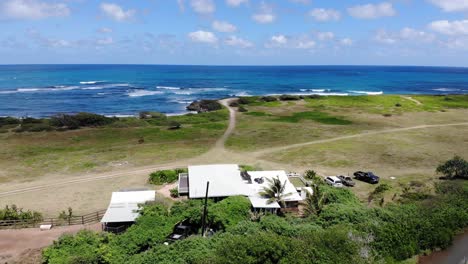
(413, 34)
(304, 2)
(372, 11)
(346, 42)
(457, 27)
(181, 5)
(279, 39)
(405, 34)
(305, 44)
(322, 15)
(116, 12)
(203, 6)
(451, 5)
(265, 14)
(238, 42)
(223, 26)
(32, 9)
(324, 36)
(203, 37)
(236, 3)
(104, 41)
(104, 30)
(383, 36)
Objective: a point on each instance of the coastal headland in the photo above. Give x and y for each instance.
(401, 138)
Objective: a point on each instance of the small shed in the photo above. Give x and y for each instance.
(123, 209)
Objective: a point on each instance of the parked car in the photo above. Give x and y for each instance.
(180, 232)
(347, 181)
(366, 177)
(334, 181)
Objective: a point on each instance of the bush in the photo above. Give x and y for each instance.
(454, 168)
(269, 99)
(174, 125)
(174, 192)
(247, 100)
(12, 212)
(165, 176)
(34, 127)
(242, 109)
(287, 97)
(9, 121)
(80, 120)
(204, 106)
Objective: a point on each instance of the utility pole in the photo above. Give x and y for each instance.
(204, 209)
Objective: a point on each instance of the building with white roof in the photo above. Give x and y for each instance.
(228, 180)
(123, 207)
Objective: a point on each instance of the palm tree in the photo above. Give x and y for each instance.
(275, 191)
(314, 202)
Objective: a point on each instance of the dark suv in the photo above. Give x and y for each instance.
(366, 177)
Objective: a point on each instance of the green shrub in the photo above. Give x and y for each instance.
(12, 212)
(242, 109)
(9, 121)
(268, 99)
(165, 176)
(454, 168)
(287, 97)
(247, 100)
(174, 192)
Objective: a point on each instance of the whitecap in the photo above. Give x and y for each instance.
(183, 93)
(446, 89)
(367, 92)
(168, 87)
(91, 82)
(319, 90)
(139, 93)
(27, 90)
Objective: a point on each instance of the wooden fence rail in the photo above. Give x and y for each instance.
(74, 220)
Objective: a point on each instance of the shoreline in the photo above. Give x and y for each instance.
(300, 95)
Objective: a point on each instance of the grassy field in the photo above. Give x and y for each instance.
(26, 156)
(267, 125)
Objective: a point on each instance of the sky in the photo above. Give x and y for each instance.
(235, 32)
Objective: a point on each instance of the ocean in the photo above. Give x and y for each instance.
(121, 90)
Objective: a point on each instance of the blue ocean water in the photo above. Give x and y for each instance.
(45, 90)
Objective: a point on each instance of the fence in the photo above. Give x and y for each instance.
(73, 220)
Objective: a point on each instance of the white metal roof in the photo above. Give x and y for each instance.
(124, 205)
(259, 202)
(225, 180)
(290, 190)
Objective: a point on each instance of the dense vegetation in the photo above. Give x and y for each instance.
(165, 176)
(344, 231)
(456, 168)
(63, 122)
(12, 212)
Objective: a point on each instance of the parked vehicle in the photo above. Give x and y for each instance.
(347, 181)
(366, 177)
(334, 181)
(180, 232)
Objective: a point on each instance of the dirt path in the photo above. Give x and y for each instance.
(411, 99)
(26, 244)
(232, 123)
(393, 130)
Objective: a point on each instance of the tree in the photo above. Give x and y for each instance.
(275, 191)
(454, 168)
(314, 202)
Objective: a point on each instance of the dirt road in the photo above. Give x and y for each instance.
(26, 244)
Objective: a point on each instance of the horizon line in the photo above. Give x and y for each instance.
(236, 65)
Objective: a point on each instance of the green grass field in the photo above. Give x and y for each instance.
(24, 156)
(264, 126)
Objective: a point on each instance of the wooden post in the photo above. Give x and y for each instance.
(204, 209)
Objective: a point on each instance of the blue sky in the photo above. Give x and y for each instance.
(235, 32)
